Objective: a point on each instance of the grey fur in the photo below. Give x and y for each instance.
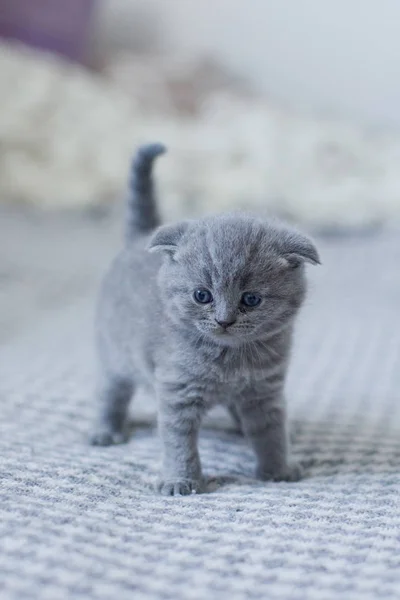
(142, 213)
(151, 331)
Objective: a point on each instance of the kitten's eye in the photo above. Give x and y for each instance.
(249, 299)
(203, 296)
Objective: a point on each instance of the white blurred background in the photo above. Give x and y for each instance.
(340, 57)
(276, 106)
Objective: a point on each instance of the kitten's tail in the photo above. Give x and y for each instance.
(142, 213)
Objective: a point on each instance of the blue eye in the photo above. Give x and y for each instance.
(203, 296)
(249, 299)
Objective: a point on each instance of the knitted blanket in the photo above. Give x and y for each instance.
(84, 523)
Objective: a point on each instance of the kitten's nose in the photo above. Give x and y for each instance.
(225, 324)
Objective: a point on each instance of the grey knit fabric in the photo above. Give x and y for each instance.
(82, 522)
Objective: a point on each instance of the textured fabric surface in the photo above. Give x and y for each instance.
(81, 522)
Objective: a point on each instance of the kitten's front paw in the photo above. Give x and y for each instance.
(108, 438)
(291, 472)
(180, 487)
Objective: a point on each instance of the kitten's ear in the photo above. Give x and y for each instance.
(299, 249)
(167, 237)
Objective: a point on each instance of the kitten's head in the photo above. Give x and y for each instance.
(232, 278)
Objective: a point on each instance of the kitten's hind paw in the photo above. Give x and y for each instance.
(291, 472)
(180, 487)
(108, 438)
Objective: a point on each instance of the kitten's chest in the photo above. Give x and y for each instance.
(215, 378)
(221, 380)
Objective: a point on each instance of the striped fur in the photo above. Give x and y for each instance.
(142, 213)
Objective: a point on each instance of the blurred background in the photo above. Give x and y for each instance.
(289, 108)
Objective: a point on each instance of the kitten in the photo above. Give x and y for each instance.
(203, 312)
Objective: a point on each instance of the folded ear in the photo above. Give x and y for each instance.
(298, 249)
(167, 237)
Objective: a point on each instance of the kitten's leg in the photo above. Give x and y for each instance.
(179, 427)
(114, 394)
(264, 423)
(235, 418)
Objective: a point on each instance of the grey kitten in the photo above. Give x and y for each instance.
(202, 312)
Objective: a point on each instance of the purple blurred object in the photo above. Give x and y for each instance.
(60, 26)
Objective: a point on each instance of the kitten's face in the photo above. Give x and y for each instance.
(229, 280)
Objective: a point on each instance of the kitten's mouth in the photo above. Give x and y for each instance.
(232, 336)
(223, 332)
(225, 336)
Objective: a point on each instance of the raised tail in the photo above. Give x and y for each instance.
(142, 213)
